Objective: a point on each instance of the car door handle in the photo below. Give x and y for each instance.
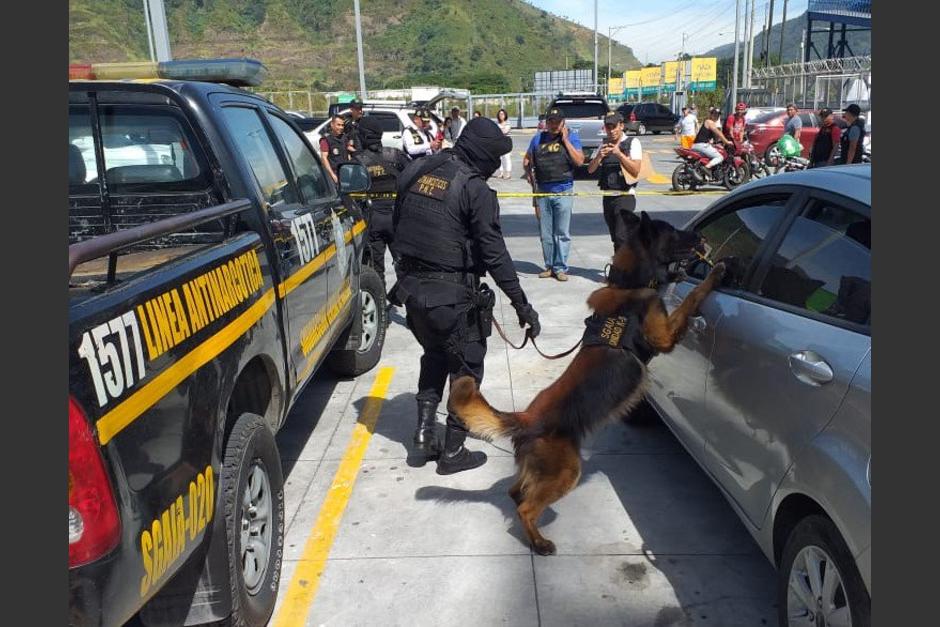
(396, 136)
(810, 368)
(697, 324)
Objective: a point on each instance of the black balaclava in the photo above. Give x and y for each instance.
(370, 132)
(481, 144)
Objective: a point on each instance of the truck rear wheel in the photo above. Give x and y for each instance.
(252, 494)
(374, 319)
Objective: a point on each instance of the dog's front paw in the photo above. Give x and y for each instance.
(718, 272)
(544, 547)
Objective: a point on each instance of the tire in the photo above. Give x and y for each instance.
(251, 470)
(656, 132)
(772, 157)
(734, 176)
(374, 313)
(813, 538)
(681, 181)
(641, 129)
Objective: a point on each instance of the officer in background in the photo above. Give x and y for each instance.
(448, 235)
(333, 146)
(419, 138)
(618, 153)
(384, 165)
(351, 131)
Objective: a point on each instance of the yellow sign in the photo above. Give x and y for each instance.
(615, 86)
(632, 78)
(649, 76)
(704, 69)
(670, 71)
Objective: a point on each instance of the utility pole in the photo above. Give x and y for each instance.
(803, 68)
(153, 56)
(595, 47)
(749, 50)
(770, 28)
(610, 31)
(362, 72)
(157, 30)
(783, 28)
(734, 71)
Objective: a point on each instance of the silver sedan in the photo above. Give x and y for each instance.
(770, 389)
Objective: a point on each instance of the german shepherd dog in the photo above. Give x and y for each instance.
(604, 381)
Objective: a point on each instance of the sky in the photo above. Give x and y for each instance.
(654, 29)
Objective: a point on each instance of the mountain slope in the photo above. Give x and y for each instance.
(479, 44)
(860, 42)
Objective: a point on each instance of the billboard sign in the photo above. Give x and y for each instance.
(704, 74)
(650, 80)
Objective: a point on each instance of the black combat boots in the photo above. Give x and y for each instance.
(425, 439)
(456, 458)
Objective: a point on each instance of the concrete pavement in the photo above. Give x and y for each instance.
(645, 539)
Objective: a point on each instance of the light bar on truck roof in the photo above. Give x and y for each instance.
(238, 72)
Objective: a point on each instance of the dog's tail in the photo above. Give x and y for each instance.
(479, 416)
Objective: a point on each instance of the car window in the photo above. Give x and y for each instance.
(308, 169)
(147, 149)
(83, 171)
(770, 117)
(823, 264)
(582, 109)
(736, 235)
(625, 109)
(389, 121)
(663, 111)
(255, 145)
(808, 119)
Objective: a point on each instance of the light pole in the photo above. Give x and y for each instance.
(595, 46)
(734, 79)
(610, 31)
(362, 73)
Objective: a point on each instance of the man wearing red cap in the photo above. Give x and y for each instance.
(735, 124)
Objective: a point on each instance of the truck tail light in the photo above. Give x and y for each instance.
(632, 116)
(94, 524)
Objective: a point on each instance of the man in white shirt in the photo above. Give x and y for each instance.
(618, 154)
(688, 127)
(457, 122)
(419, 140)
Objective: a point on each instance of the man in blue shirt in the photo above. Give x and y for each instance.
(549, 163)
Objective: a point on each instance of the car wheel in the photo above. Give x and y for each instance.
(656, 132)
(252, 493)
(641, 129)
(374, 320)
(818, 583)
(773, 158)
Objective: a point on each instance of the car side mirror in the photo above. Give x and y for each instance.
(353, 177)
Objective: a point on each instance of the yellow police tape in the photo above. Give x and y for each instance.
(392, 195)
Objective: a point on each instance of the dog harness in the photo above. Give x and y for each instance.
(620, 330)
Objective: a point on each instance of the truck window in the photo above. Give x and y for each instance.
(255, 144)
(83, 173)
(308, 169)
(148, 149)
(592, 109)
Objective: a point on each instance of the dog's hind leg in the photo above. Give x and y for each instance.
(515, 492)
(544, 489)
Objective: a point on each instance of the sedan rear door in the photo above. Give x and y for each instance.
(787, 348)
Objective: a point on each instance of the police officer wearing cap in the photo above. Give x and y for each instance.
(334, 146)
(447, 233)
(852, 141)
(418, 139)
(384, 165)
(618, 153)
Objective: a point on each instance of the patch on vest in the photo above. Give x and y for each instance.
(416, 136)
(431, 186)
(336, 151)
(377, 170)
(554, 146)
(612, 330)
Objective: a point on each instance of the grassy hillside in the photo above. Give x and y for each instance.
(859, 42)
(483, 44)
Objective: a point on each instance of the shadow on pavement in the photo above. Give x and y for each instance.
(304, 417)
(527, 267)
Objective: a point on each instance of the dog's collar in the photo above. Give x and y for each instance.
(619, 278)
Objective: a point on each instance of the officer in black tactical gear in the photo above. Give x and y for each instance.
(448, 235)
(384, 165)
(351, 130)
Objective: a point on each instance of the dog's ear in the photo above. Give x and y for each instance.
(645, 230)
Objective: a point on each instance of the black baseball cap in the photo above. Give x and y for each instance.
(854, 109)
(355, 103)
(825, 113)
(555, 114)
(612, 117)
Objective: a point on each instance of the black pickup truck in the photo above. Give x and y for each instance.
(214, 267)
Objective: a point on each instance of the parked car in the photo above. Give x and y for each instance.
(584, 113)
(770, 389)
(638, 118)
(764, 131)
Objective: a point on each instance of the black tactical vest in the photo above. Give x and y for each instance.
(822, 145)
(552, 162)
(859, 147)
(621, 330)
(381, 169)
(429, 224)
(609, 174)
(338, 153)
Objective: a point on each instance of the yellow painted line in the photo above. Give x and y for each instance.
(293, 281)
(303, 587)
(358, 228)
(658, 179)
(140, 401)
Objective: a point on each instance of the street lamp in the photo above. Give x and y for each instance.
(610, 31)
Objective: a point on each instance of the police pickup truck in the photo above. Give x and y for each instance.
(213, 267)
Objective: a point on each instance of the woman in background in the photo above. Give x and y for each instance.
(505, 161)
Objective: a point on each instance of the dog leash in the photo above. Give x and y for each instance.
(502, 334)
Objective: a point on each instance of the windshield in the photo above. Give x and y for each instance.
(590, 109)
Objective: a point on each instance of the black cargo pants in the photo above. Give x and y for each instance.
(620, 217)
(381, 233)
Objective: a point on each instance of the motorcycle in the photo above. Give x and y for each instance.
(756, 168)
(692, 173)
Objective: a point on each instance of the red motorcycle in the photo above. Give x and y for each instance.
(756, 168)
(692, 173)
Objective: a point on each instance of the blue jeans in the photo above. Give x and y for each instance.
(555, 227)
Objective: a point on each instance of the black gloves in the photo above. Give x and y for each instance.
(527, 316)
